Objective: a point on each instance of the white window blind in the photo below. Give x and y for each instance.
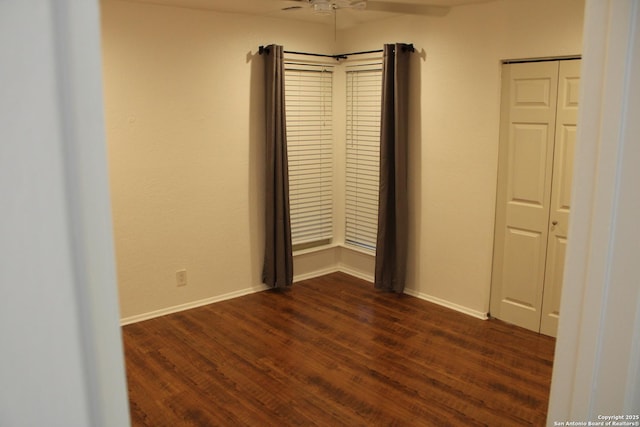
(364, 92)
(308, 101)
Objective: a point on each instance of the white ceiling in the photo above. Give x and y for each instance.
(274, 8)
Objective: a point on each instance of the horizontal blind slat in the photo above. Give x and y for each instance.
(309, 115)
(364, 92)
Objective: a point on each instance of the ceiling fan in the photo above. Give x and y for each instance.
(330, 6)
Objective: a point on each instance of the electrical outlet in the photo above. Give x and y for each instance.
(181, 277)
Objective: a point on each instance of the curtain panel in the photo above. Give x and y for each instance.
(391, 245)
(278, 254)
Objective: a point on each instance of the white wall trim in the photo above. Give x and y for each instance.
(314, 249)
(447, 304)
(358, 249)
(600, 297)
(190, 305)
(76, 47)
(64, 357)
(319, 273)
(355, 273)
(314, 274)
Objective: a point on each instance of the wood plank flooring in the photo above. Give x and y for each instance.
(333, 351)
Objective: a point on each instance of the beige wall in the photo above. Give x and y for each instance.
(184, 128)
(184, 114)
(454, 130)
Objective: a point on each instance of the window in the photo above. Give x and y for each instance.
(364, 92)
(308, 101)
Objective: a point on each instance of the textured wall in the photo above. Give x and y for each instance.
(185, 122)
(455, 125)
(184, 125)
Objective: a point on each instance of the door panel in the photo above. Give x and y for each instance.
(567, 117)
(532, 92)
(553, 284)
(522, 268)
(527, 133)
(564, 173)
(527, 165)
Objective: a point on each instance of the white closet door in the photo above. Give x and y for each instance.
(537, 143)
(528, 123)
(567, 117)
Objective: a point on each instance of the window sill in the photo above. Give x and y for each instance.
(327, 247)
(358, 249)
(315, 249)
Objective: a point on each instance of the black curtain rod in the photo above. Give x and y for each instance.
(263, 49)
(336, 57)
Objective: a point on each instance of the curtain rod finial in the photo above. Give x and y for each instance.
(408, 47)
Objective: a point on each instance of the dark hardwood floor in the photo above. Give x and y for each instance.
(332, 351)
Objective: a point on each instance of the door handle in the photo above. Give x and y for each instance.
(553, 225)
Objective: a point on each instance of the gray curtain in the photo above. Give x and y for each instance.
(391, 246)
(278, 254)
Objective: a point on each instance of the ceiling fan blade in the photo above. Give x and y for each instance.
(333, 4)
(353, 4)
(291, 5)
(407, 8)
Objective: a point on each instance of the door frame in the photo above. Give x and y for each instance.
(62, 351)
(502, 159)
(597, 362)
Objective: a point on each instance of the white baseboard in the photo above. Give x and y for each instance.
(444, 303)
(314, 274)
(194, 304)
(364, 276)
(447, 304)
(299, 278)
(439, 301)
